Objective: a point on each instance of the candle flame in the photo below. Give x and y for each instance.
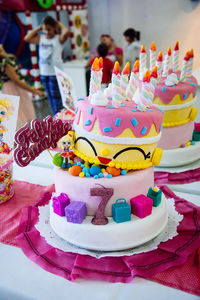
(116, 69)
(146, 77)
(160, 56)
(191, 53)
(136, 66)
(143, 50)
(187, 55)
(169, 51)
(176, 47)
(153, 46)
(126, 69)
(154, 72)
(95, 65)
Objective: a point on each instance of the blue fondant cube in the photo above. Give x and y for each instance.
(76, 211)
(196, 136)
(121, 211)
(155, 196)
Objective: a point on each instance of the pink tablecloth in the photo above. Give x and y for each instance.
(174, 263)
(176, 178)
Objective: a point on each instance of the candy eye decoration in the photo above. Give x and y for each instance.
(148, 155)
(85, 139)
(2, 112)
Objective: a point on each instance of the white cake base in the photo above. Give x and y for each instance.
(180, 156)
(113, 236)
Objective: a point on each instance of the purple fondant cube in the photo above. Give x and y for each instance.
(76, 211)
(141, 206)
(59, 204)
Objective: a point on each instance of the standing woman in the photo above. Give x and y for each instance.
(50, 55)
(133, 46)
(13, 84)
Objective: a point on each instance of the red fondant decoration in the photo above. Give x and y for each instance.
(32, 139)
(105, 193)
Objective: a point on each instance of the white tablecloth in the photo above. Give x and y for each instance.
(21, 279)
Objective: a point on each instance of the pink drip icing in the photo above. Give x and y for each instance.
(107, 117)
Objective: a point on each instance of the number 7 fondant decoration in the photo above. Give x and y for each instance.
(106, 194)
(32, 139)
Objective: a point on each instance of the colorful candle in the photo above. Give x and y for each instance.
(190, 63)
(175, 57)
(133, 82)
(153, 80)
(143, 61)
(100, 73)
(152, 56)
(185, 66)
(166, 62)
(124, 80)
(94, 79)
(159, 64)
(116, 89)
(145, 91)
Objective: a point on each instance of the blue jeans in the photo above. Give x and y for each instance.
(51, 87)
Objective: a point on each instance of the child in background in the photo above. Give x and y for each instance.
(132, 49)
(108, 65)
(50, 55)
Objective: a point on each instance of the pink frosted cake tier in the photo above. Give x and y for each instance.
(175, 137)
(128, 186)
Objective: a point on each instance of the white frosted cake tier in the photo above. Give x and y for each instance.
(113, 236)
(128, 186)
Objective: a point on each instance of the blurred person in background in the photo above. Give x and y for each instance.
(132, 49)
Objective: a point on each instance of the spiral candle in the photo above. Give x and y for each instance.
(190, 63)
(184, 66)
(166, 62)
(124, 80)
(143, 61)
(144, 96)
(159, 64)
(116, 89)
(94, 79)
(100, 72)
(133, 82)
(153, 80)
(152, 56)
(175, 57)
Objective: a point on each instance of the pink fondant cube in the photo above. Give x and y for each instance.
(197, 127)
(59, 204)
(141, 206)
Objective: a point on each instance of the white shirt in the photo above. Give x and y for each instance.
(132, 52)
(50, 55)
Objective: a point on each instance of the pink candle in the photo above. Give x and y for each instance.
(94, 79)
(143, 61)
(116, 89)
(153, 80)
(184, 66)
(190, 64)
(175, 57)
(159, 64)
(152, 56)
(145, 91)
(133, 82)
(167, 62)
(124, 80)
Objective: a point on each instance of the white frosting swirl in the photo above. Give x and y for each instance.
(108, 91)
(171, 79)
(99, 99)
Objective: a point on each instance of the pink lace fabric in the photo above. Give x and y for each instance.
(165, 265)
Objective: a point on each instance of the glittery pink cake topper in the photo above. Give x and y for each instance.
(32, 139)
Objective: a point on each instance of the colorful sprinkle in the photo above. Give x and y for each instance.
(164, 88)
(117, 122)
(86, 123)
(161, 110)
(192, 142)
(134, 122)
(173, 85)
(122, 105)
(161, 127)
(189, 79)
(106, 129)
(149, 109)
(80, 99)
(144, 129)
(110, 107)
(185, 96)
(134, 110)
(76, 110)
(90, 109)
(195, 93)
(192, 83)
(178, 78)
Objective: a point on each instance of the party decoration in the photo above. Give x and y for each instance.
(124, 80)
(116, 89)
(141, 206)
(32, 139)
(184, 66)
(171, 79)
(153, 81)
(159, 64)
(152, 56)
(95, 83)
(190, 63)
(76, 212)
(175, 57)
(133, 82)
(144, 96)
(167, 62)
(121, 211)
(143, 59)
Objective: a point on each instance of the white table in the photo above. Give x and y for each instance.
(21, 279)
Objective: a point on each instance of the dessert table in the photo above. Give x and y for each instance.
(21, 279)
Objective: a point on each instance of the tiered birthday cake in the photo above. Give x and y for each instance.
(105, 195)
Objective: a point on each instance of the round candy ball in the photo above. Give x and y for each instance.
(86, 170)
(57, 160)
(75, 170)
(95, 170)
(113, 171)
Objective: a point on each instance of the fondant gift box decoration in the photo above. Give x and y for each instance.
(141, 206)
(75, 212)
(121, 211)
(59, 204)
(196, 132)
(155, 194)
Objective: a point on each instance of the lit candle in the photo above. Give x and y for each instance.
(153, 80)
(175, 57)
(124, 80)
(144, 95)
(184, 66)
(94, 79)
(100, 73)
(159, 64)
(143, 61)
(166, 62)
(133, 82)
(152, 56)
(190, 63)
(116, 89)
